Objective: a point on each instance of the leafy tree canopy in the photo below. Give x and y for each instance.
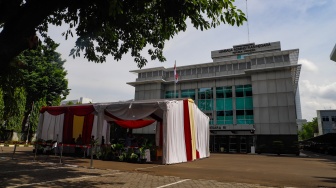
(41, 76)
(108, 27)
(308, 130)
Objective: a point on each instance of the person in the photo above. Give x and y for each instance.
(73, 141)
(79, 140)
(92, 141)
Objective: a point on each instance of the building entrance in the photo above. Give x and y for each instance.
(231, 144)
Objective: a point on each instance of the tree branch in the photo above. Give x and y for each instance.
(18, 32)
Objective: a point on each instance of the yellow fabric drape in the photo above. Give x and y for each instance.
(78, 122)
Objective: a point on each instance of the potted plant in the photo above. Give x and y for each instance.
(142, 151)
(134, 157)
(122, 156)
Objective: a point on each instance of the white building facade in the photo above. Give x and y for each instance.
(250, 93)
(326, 120)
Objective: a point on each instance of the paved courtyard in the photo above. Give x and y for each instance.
(220, 170)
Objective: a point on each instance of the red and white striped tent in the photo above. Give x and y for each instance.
(181, 128)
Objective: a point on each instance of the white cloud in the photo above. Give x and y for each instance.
(308, 65)
(316, 97)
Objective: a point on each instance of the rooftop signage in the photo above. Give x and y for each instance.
(246, 49)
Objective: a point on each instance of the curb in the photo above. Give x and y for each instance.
(12, 145)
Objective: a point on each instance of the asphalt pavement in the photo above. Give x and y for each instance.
(219, 170)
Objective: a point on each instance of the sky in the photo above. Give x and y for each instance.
(307, 25)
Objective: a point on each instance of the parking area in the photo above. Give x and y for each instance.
(220, 170)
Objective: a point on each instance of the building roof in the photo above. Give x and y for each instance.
(333, 54)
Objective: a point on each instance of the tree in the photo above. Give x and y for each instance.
(108, 27)
(308, 129)
(13, 121)
(42, 77)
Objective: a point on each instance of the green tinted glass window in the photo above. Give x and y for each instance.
(170, 95)
(244, 104)
(220, 104)
(188, 93)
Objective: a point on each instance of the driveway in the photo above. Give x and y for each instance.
(219, 170)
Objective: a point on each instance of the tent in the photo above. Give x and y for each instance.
(182, 129)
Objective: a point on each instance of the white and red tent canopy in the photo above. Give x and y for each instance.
(184, 129)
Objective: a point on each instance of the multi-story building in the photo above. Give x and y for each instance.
(326, 120)
(248, 91)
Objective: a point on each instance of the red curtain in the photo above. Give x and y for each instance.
(87, 128)
(134, 124)
(187, 131)
(86, 111)
(55, 111)
(81, 110)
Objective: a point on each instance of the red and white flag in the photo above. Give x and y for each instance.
(175, 73)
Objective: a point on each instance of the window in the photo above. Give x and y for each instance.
(170, 94)
(286, 58)
(222, 68)
(205, 99)
(248, 65)
(244, 104)
(211, 69)
(333, 118)
(199, 71)
(239, 91)
(224, 92)
(217, 68)
(229, 67)
(188, 72)
(224, 117)
(325, 118)
(269, 60)
(188, 93)
(224, 105)
(155, 73)
(235, 66)
(242, 66)
(278, 59)
(260, 61)
(253, 62)
(204, 70)
(171, 73)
